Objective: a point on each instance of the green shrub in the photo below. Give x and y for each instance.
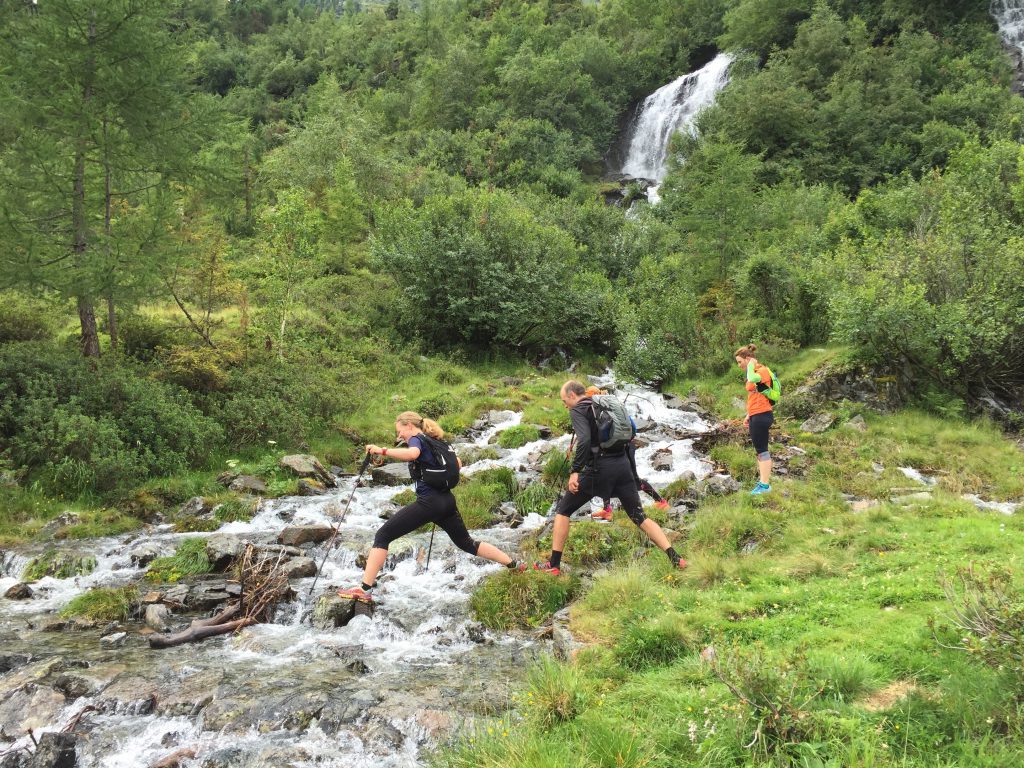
(536, 498)
(59, 564)
(235, 509)
(556, 468)
(437, 406)
(197, 369)
(24, 319)
(513, 600)
(142, 337)
(500, 476)
(478, 501)
(188, 560)
(518, 436)
(453, 423)
(103, 604)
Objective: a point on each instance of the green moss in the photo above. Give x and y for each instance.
(59, 564)
(518, 436)
(408, 496)
(513, 600)
(188, 560)
(103, 604)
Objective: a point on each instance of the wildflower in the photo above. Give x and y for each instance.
(693, 732)
(271, 442)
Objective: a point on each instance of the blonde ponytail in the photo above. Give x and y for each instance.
(746, 352)
(430, 427)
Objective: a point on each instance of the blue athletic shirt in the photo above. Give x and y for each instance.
(427, 458)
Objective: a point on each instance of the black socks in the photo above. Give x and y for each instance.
(556, 559)
(366, 587)
(673, 555)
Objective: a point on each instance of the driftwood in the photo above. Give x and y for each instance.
(200, 629)
(264, 585)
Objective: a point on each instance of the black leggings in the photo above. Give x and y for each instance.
(760, 423)
(641, 484)
(430, 508)
(611, 476)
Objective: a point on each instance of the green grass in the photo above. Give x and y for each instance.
(103, 604)
(188, 560)
(513, 600)
(518, 436)
(59, 564)
(832, 637)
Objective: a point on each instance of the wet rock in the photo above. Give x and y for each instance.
(55, 750)
(300, 567)
(115, 640)
(358, 666)
(332, 611)
(818, 423)
(20, 591)
(62, 565)
(209, 596)
(30, 674)
(176, 759)
(156, 616)
(248, 484)
(309, 487)
(297, 535)
(32, 706)
(197, 506)
(384, 735)
(145, 553)
(73, 686)
(128, 695)
(222, 549)
(188, 695)
(229, 757)
(11, 661)
(435, 722)
(307, 466)
(498, 417)
(661, 460)
(176, 594)
(391, 474)
(673, 401)
(644, 424)
(63, 520)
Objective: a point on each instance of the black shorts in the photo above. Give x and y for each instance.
(610, 476)
(759, 425)
(428, 508)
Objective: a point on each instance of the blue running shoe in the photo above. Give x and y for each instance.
(760, 488)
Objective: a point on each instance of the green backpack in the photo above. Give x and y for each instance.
(774, 392)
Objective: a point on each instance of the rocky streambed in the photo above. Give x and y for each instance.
(324, 683)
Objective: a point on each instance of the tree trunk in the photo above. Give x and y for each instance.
(90, 335)
(112, 323)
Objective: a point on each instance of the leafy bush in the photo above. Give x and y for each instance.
(437, 406)
(142, 337)
(188, 560)
(512, 600)
(197, 369)
(103, 604)
(500, 476)
(24, 319)
(518, 436)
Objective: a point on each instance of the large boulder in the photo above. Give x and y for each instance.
(297, 535)
(818, 423)
(305, 465)
(391, 474)
(332, 611)
(248, 484)
(222, 549)
(299, 567)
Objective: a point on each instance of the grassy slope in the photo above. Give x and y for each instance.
(828, 615)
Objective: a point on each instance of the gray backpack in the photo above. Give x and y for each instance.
(615, 428)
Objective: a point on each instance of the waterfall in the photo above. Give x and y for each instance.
(672, 108)
(1009, 16)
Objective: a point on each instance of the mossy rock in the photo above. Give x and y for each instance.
(59, 564)
(103, 604)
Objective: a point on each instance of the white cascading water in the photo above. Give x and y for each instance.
(1009, 16)
(422, 654)
(671, 108)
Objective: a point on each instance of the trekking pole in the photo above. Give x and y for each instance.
(330, 542)
(430, 547)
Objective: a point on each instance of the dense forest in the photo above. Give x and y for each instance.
(222, 221)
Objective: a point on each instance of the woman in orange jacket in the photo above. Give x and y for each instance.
(760, 415)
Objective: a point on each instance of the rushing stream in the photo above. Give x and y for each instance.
(375, 692)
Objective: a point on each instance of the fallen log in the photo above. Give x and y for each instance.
(195, 634)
